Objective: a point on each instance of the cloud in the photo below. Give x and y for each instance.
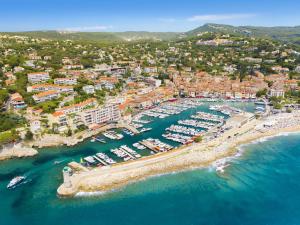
(167, 20)
(87, 28)
(218, 17)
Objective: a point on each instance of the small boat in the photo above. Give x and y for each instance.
(56, 162)
(100, 140)
(145, 129)
(258, 108)
(221, 168)
(15, 182)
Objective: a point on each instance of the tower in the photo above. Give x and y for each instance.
(67, 172)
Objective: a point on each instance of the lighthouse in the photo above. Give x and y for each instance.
(67, 172)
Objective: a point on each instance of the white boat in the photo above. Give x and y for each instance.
(145, 130)
(221, 168)
(16, 181)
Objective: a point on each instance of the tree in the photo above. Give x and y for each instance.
(28, 135)
(261, 93)
(198, 139)
(3, 96)
(69, 133)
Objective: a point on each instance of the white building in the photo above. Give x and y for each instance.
(79, 107)
(48, 87)
(297, 69)
(105, 114)
(150, 69)
(277, 90)
(89, 89)
(65, 81)
(35, 126)
(38, 77)
(154, 82)
(45, 96)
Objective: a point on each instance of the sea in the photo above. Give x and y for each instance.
(261, 185)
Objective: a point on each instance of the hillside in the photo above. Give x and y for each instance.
(278, 33)
(99, 36)
(290, 34)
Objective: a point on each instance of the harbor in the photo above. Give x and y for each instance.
(241, 127)
(50, 162)
(164, 128)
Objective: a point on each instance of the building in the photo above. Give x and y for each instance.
(280, 69)
(150, 69)
(116, 70)
(277, 90)
(45, 96)
(297, 69)
(89, 89)
(35, 126)
(72, 67)
(154, 82)
(79, 107)
(38, 77)
(17, 101)
(105, 114)
(65, 81)
(50, 87)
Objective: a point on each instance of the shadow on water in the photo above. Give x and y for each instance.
(16, 172)
(43, 159)
(81, 153)
(24, 194)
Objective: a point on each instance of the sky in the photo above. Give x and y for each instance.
(143, 15)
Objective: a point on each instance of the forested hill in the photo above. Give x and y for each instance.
(289, 34)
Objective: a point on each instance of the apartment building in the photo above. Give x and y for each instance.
(45, 96)
(38, 77)
(50, 87)
(79, 107)
(65, 81)
(105, 114)
(89, 89)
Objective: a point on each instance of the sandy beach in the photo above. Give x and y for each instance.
(185, 157)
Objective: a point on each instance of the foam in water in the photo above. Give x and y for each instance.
(90, 194)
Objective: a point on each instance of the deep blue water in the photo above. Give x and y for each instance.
(260, 187)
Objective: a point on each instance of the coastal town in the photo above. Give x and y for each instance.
(149, 112)
(64, 92)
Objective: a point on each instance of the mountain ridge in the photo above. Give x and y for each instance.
(282, 33)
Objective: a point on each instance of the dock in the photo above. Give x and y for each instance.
(128, 127)
(149, 145)
(100, 160)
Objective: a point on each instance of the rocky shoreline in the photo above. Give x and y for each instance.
(17, 151)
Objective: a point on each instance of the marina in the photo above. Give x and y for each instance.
(113, 135)
(184, 130)
(187, 119)
(178, 138)
(225, 109)
(196, 123)
(156, 145)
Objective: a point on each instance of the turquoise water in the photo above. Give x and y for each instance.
(260, 187)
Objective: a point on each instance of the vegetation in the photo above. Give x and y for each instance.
(261, 93)
(10, 121)
(8, 136)
(198, 139)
